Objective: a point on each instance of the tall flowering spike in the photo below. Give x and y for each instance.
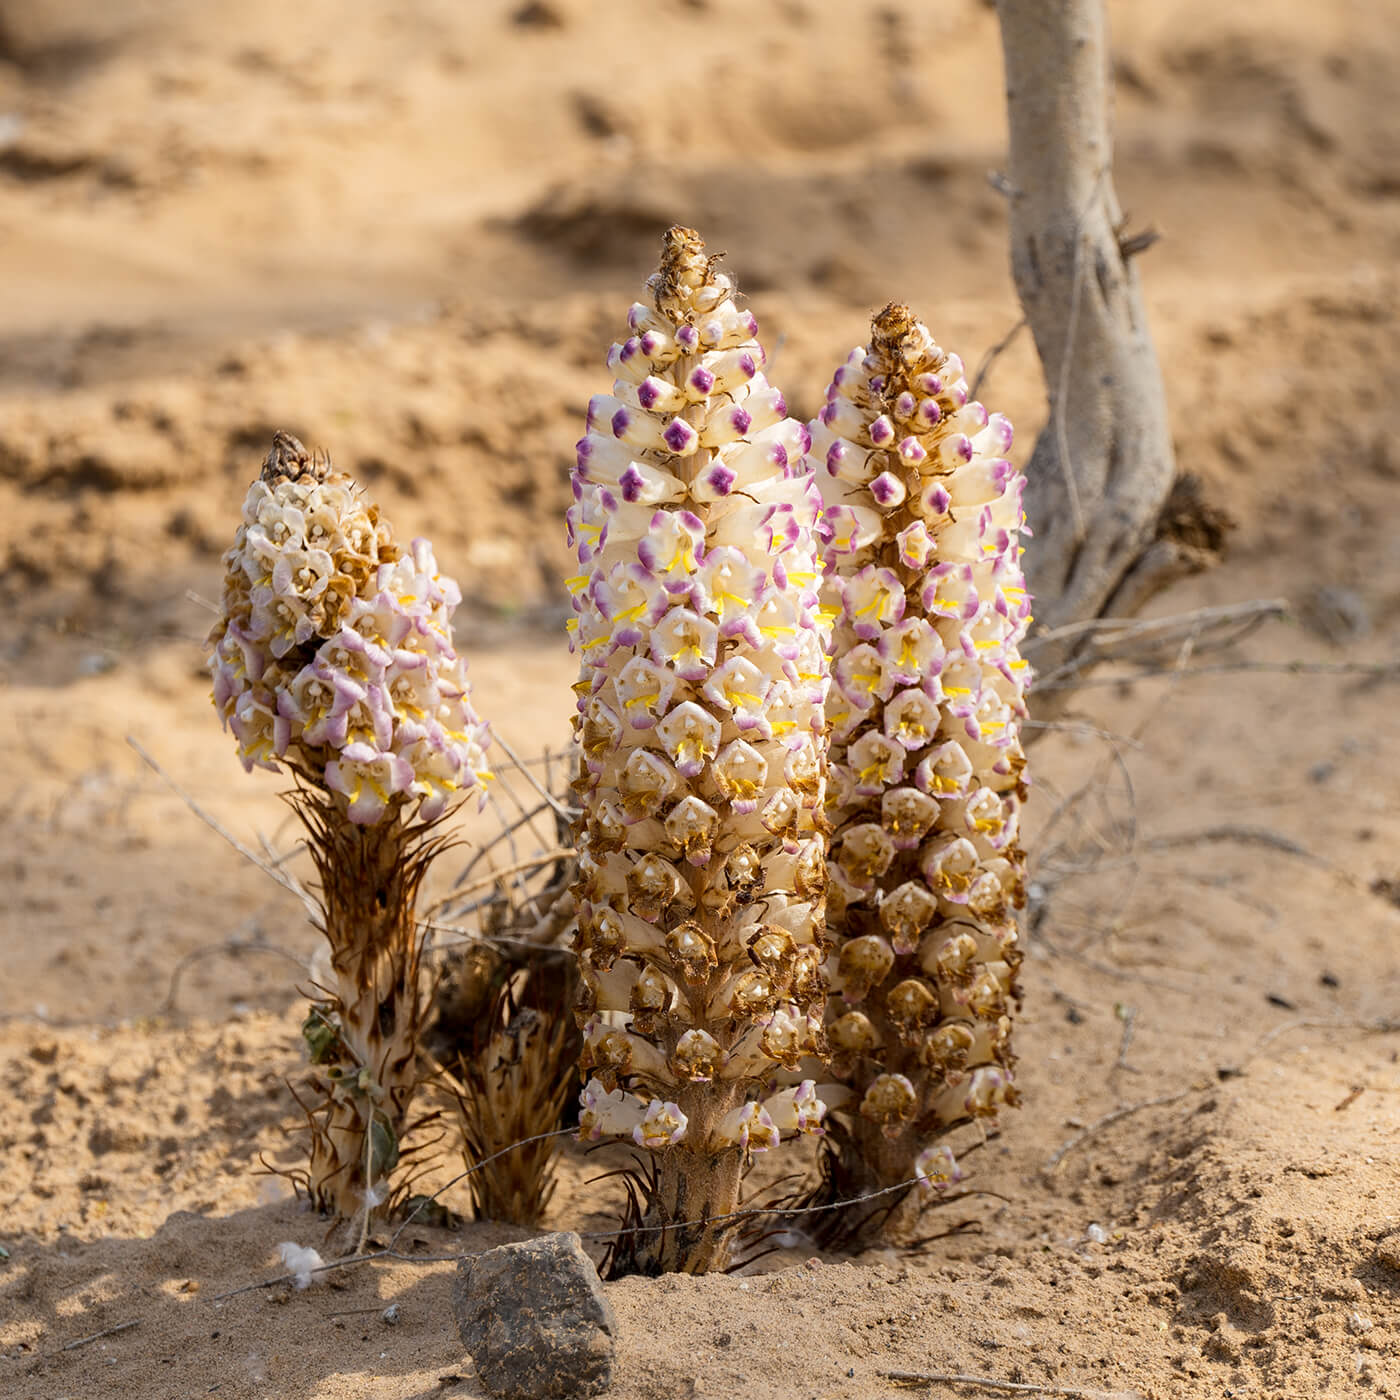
(333, 657)
(701, 691)
(923, 581)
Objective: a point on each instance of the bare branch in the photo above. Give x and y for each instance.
(988, 1383)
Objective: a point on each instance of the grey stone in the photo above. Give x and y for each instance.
(534, 1318)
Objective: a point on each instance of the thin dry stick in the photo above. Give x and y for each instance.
(1125, 639)
(1244, 834)
(509, 828)
(209, 950)
(504, 834)
(1383, 1026)
(1070, 726)
(1099, 1124)
(1116, 755)
(1379, 670)
(546, 931)
(560, 810)
(200, 600)
(288, 882)
(1169, 628)
(749, 1213)
(496, 875)
(1067, 805)
(987, 1383)
(278, 858)
(1121, 974)
(97, 1336)
(1128, 1016)
(994, 354)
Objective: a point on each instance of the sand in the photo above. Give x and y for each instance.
(407, 232)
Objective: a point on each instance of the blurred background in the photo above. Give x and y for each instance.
(407, 232)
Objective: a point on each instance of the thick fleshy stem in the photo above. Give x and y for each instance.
(363, 1036)
(701, 731)
(923, 581)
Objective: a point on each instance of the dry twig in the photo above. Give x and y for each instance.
(232, 944)
(1169, 630)
(1103, 639)
(561, 811)
(1378, 670)
(993, 355)
(288, 882)
(391, 1252)
(1125, 1111)
(498, 874)
(1128, 1016)
(1383, 1026)
(1244, 834)
(988, 1383)
(97, 1336)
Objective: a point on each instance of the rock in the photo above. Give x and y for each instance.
(534, 1318)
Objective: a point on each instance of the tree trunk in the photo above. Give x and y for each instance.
(1103, 467)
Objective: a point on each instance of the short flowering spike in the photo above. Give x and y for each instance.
(926, 762)
(333, 658)
(333, 654)
(703, 681)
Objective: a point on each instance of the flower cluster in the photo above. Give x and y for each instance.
(923, 581)
(701, 693)
(333, 653)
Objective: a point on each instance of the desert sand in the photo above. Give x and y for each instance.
(407, 233)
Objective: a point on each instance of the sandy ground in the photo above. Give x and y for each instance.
(408, 232)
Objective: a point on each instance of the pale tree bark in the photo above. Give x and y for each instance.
(1103, 467)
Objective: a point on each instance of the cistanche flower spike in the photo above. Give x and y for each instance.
(333, 660)
(701, 691)
(921, 548)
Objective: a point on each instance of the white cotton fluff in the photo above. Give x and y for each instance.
(299, 1262)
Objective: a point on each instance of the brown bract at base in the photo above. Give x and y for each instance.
(514, 1069)
(363, 1032)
